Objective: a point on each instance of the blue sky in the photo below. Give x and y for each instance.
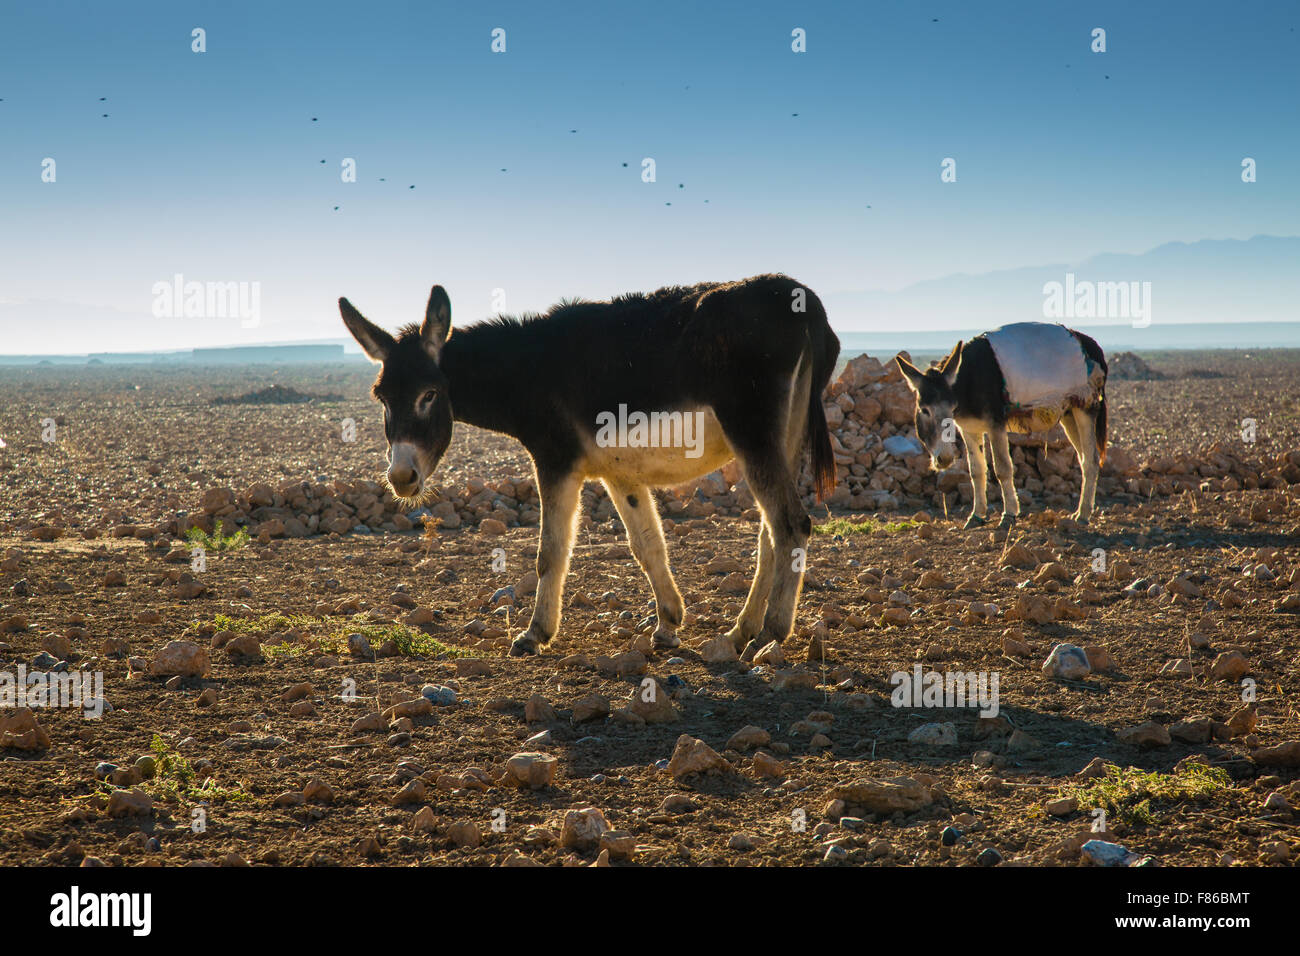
(209, 165)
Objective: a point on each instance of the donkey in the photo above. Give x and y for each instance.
(748, 360)
(973, 393)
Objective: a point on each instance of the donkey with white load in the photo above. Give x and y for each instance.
(1023, 378)
(744, 364)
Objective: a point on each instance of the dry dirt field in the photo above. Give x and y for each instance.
(279, 747)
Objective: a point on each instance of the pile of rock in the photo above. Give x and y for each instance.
(296, 509)
(879, 466)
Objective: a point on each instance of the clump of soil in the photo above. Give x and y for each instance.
(1129, 367)
(275, 395)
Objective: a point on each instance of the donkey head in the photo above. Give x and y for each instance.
(412, 389)
(935, 405)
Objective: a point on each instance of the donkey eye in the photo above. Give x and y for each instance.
(428, 397)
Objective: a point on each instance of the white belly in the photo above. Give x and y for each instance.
(661, 452)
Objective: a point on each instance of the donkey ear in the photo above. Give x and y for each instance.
(374, 341)
(437, 322)
(911, 374)
(951, 364)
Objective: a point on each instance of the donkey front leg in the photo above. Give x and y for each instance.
(559, 496)
(645, 535)
(978, 477)
(1006, 472)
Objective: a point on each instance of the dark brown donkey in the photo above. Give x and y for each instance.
(642, 391)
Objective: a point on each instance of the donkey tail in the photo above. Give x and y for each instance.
(1101, 428)
(1094, 352)
(825, 353)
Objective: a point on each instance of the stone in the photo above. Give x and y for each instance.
(128, 803)
(719, 650)
(359, 647)
(424, 821)
(243, 646)
(463, 834)
(1145, 735)
(765, 765)
(1103, 853)
(1062, 807)
(1099, 659)
(692, 755)
(591, 707)
(317, 791)
(414, 792)
(472, 667)
(370, 723)
(1195, 730)
(417, 707)
(934, 735)
(885, 796)
(534, 770)
(582, 829)
(748, 737)
(19, 730)
(180, 659)
(1286, 754)
(619, 844)
(1229, 666)
(1067, 662)
(652, 703)
(538, 711)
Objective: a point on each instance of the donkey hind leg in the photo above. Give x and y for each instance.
(1081, 428)
(1006, 472)
(749, 625)
(645, 536)
(789, 526)
(979, 477)
(559, 510)
(750, 621)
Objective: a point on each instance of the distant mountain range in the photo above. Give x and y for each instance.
(1214, 280)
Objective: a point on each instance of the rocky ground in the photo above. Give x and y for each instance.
(244, 720)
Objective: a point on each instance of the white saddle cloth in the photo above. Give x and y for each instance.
(1042, 364)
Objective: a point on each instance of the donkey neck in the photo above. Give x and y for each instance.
(489, 380)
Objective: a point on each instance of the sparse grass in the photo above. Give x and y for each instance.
(409, 641)
(217, 541)
(268, 623)
(1127, 794)
(174, 775)
(278, 652)
(844, 527)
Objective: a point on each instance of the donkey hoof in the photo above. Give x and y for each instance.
(974, 521)
(1007, 522)
(751, 649)
(523, 646)
(665, 640)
